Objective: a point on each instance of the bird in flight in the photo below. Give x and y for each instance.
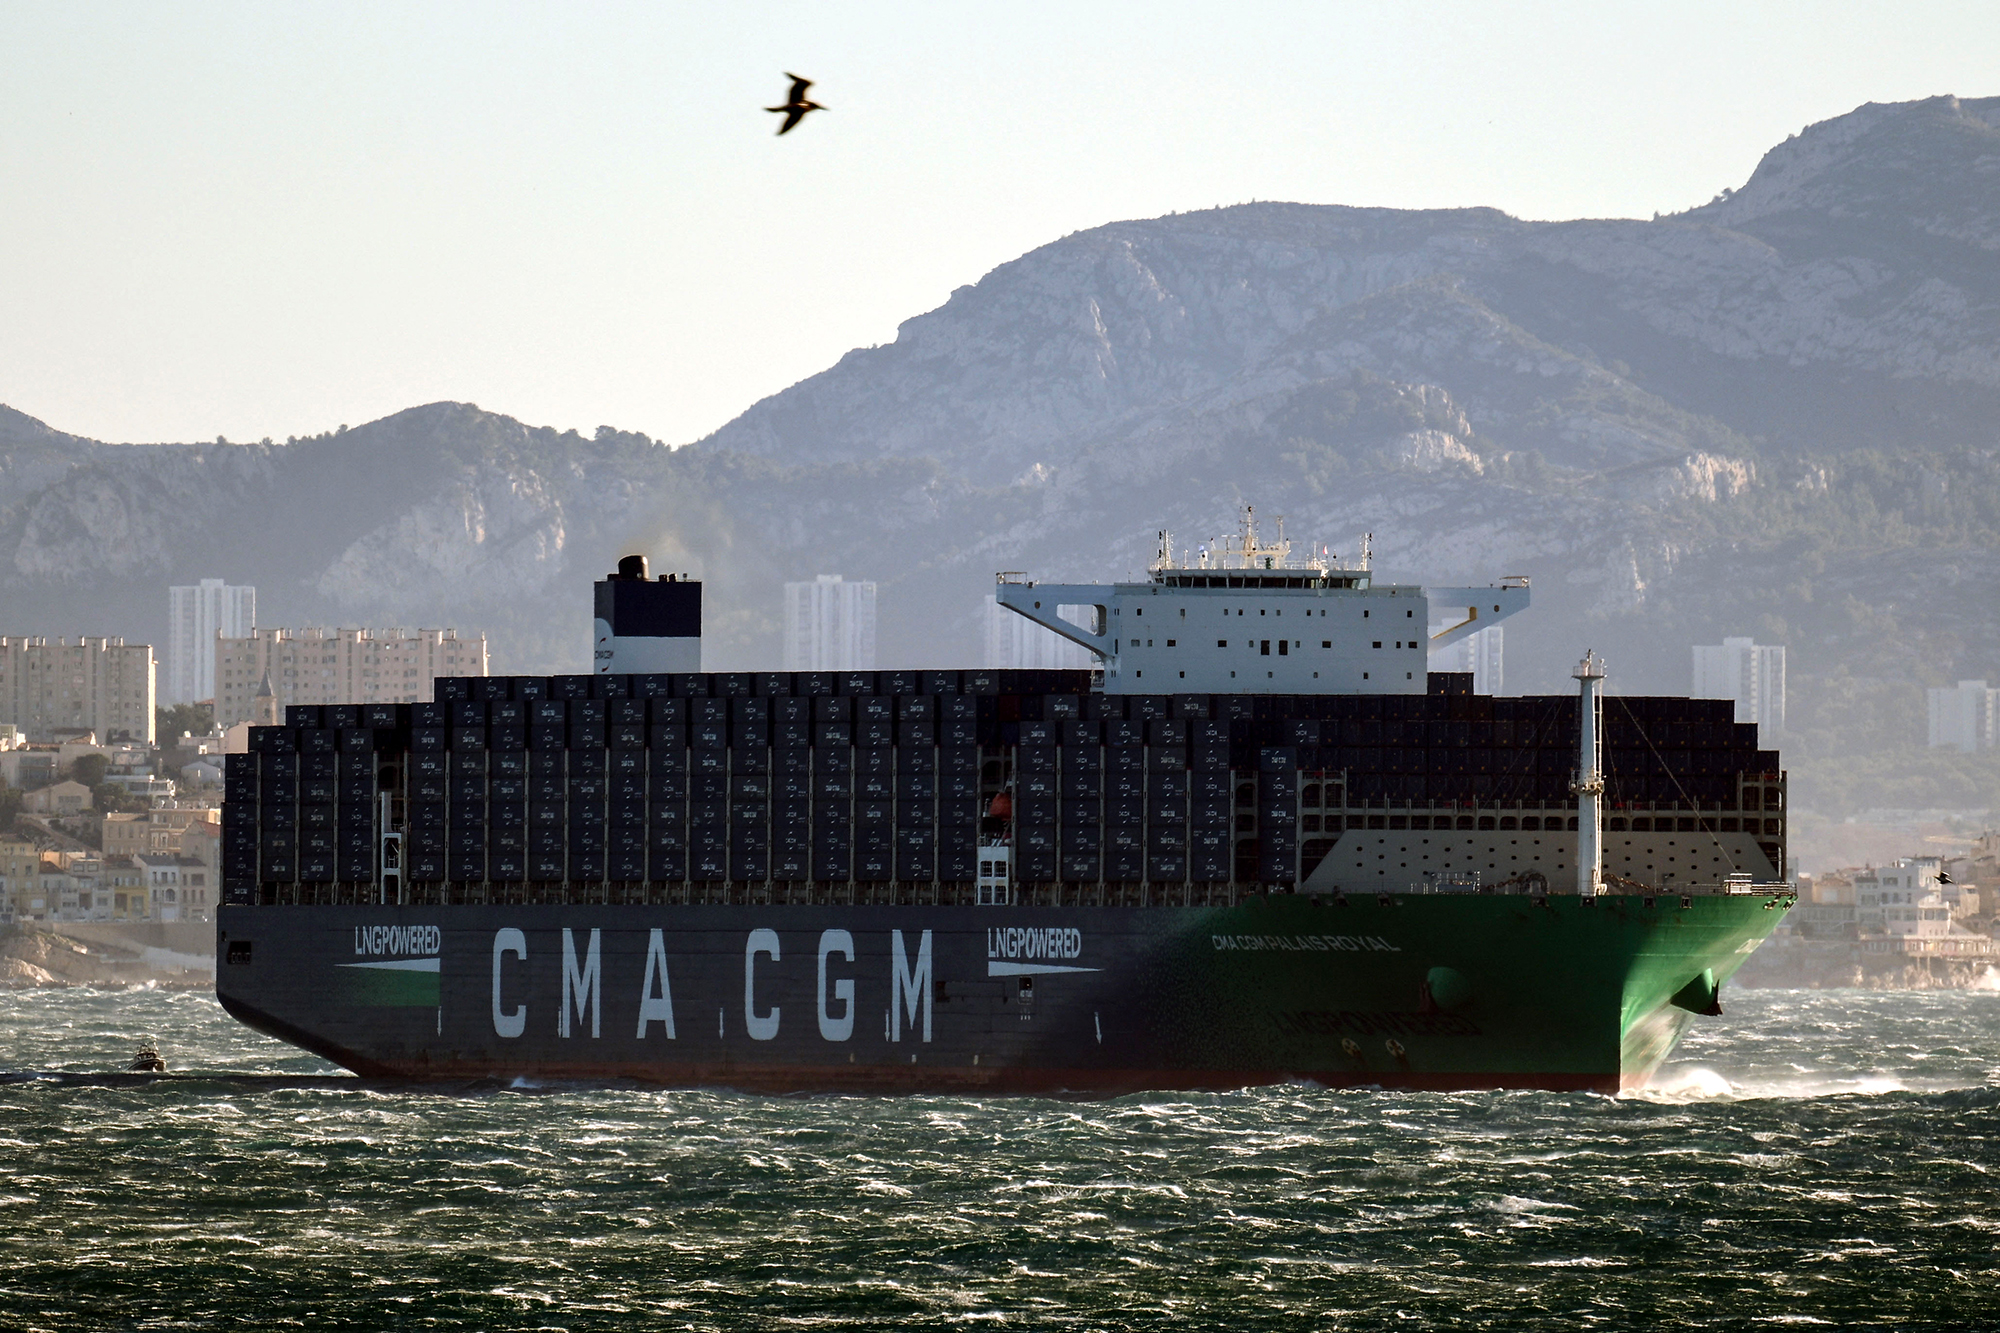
(797, 104)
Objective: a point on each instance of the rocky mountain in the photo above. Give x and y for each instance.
(1778, 414)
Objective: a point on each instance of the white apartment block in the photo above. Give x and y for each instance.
(1014, 642)
(339, 666)
(1482, 653)
(830, 625)
(196, 616)
(1963, 717)
(1750, 673)
(1902, 898)
(100, 685)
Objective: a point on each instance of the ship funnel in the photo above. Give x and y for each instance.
(645, 627)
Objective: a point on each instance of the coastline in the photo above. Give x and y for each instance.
(107, 956)
(1847, 965)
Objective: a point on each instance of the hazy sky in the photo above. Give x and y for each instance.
(269, 219)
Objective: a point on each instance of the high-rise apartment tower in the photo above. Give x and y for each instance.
(1750, 673)
(196, 615)
(829, 625)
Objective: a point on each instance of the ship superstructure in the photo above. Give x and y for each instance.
(1241, 616)
(1079, 880)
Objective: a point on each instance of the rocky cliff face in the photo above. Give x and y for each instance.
(1774, 414)
(1858, 259)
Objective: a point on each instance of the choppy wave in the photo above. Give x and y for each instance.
(1812, 1157)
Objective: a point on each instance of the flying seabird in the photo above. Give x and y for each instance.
(796, 103)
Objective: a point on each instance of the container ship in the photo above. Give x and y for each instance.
(1259, 842)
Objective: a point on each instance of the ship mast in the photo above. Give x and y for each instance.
(1589, 781)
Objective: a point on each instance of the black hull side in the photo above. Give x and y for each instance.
(1050, 1000)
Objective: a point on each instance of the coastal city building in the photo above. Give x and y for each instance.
(1751, 674)
(29, 766)
(196, 615)
(830, 625)
(1962, 717)
(1904, 924)
(160, 831)
(54, 687)
(1481, 653)
(1014, 642)
(20, 877)
(58, 798)
(64, 859)
(40, 885)
(1897, 899)
(179, 888)
(338, 666)
(121, 890)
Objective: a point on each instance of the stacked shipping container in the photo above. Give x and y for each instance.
(867, 778)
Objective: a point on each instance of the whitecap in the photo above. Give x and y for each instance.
(1686, 1083)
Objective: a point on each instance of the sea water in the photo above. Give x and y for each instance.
(1810, 1157)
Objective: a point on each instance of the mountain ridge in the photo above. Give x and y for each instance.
(1772, 414)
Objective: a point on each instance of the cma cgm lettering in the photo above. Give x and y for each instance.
(578, 998)
(1085, 881)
